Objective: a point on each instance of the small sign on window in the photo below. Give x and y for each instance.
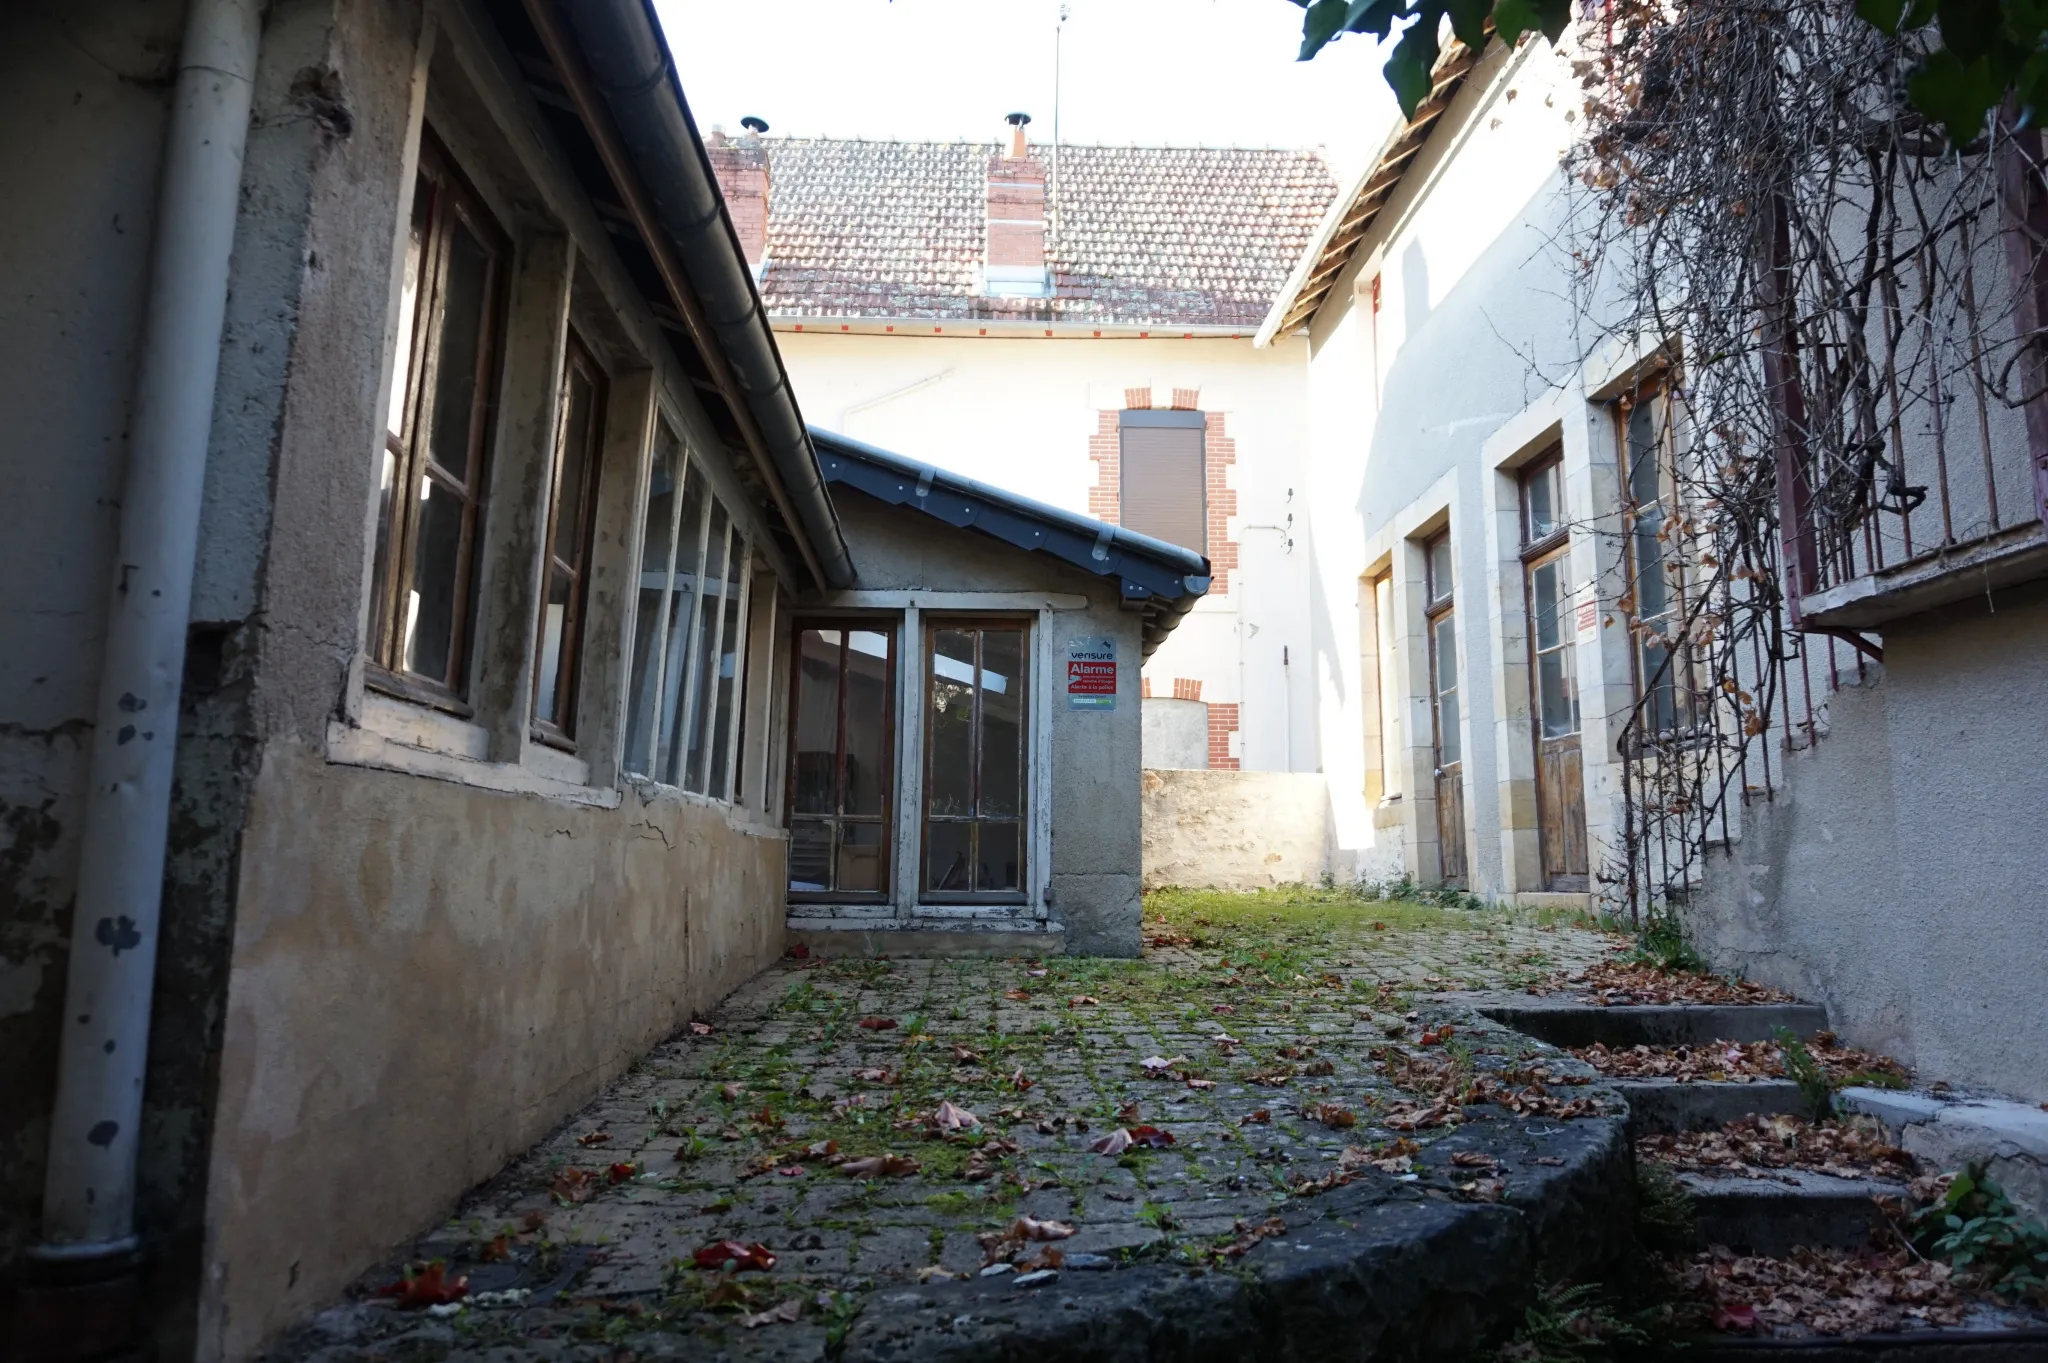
(1091, 674)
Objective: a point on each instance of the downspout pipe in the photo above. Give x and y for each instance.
(628, 60)
(89, 1183)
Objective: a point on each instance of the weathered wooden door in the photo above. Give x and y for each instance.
(1554, 707)
(1442, 625)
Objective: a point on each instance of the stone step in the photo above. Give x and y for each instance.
(1567, 1022)
(1658, 1106)
(2022, 1344)
(1770, 1216)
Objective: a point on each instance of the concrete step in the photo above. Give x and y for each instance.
(1567, 1022)
(1770, 1216)
(1658, 1106)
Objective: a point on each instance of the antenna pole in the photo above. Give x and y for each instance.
(1053, 208)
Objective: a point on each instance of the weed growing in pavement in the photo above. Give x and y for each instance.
(1801, 1068)
(1664, 1210)
(1569, 1324)
(1662, 944)
(1975, 1227)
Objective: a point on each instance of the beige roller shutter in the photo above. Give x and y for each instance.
(1163, 493)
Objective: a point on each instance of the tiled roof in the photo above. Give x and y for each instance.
(1160, 236)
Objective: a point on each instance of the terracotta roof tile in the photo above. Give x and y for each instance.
(1159, 236)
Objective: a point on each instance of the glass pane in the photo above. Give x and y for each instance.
(1448, 748)
(572, 492)
(816, 727)
(704, 651)
(948, 849)
(1546, 586)
(868, 761)
(1444, 644)
(731, 636)
(1002, 724)
(428, 644)
(465, 300)
(949, 784)
(1557, 695)
(408, 306)
(1542, 497)
(682, 614)
(863, 861)
(1440, 569)
(387, 487)
(998, 863)
(1660, 685)
(1644, 484)
(657, 536)
(1653, 583)
(810, 854)
(554, 619)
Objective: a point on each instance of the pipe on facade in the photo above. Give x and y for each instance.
(89, 1184)
(627, 60)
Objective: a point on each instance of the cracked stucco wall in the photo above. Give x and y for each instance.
(1899, 880)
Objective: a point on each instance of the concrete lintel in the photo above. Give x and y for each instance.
(1967, 572)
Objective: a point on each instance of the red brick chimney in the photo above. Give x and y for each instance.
(1014, 266)
(741, 166)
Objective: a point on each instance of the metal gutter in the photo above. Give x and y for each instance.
(999, 328)
(620, 77)
(1164, 581)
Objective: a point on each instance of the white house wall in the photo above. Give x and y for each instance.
(1019, 413)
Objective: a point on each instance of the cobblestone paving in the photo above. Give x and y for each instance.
(753, 1126)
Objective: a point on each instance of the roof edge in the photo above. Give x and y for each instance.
(1161, 580)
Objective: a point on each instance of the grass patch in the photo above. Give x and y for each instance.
(1300, 912)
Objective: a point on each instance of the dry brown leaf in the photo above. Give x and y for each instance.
(785, 1314)
(575, 1185)
(949, 1117)
(1083, 1001)
(1030, 1228)
(590, 1138)
(879, 1166)
(1115, 1143)
(1259, 1118)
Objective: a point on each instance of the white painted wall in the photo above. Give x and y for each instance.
(1018, 413)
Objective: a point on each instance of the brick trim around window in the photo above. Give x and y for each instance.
(1222, 724)
(1219, 452)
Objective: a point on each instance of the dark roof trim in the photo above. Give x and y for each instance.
(621, 43)
(1162, 580)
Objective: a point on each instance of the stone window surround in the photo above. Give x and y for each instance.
(564, 273)
(905, 610)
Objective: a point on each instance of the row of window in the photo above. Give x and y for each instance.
(974, 824)
(685, 675)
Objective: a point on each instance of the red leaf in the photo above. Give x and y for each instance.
(622, 1172)
(741, 1256)
(1739, 1318)
(878, 1024)
(429, 1286)
(1152, 1136)
(799, 952)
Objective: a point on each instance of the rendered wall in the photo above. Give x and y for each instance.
(1235, 830)
(1019, 413)
(1899, 881)
(1093, 883)
(1176, 733)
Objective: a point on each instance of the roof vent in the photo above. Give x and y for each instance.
(754, 125)
(1018, 148)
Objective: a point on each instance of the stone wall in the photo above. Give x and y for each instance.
(1176, 734)
(1234, 830)
(1899, 880)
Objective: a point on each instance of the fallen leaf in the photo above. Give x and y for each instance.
(1151, 1136)
(1128, 1114)
(590, 1138)
(1437, 1036)
(1319, 1068)
(799, 952)
(700, 1029)
(1738, 1318)
(950, 1117)
(1030, 1228)
(1159, 1065)
(791, 1171)
(1248, 1237)
(533, 1220)
(784, 1314)
(983, 1164)
(620, 1173)
(1225, 1039)
(425, 1285)
(1259, 1118)
(1083, 1001)
(1195, 1083)
(1472, 1159)
(874, 1075)
(1379, 927)
(877, 1024)
(497, 1251)
(1038, 974)
(574, 1185)
(1223, 1009)
(886, 1166)
(1019, 995)
(732, 1093)
(1332, 1115)
(966, 1055)
(1115, 1143)
(741, 1256)
(820, 1150)
(1020, 1081)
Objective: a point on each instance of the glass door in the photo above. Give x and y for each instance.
(1554, 686)
(1442, 626)
(842, 738)
(976, 761)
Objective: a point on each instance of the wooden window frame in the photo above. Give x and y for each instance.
(561, 731)
(1027, 628)
(410, 449)
(892, 627)
(1436, 606)
(1683, 693)
(1536, 546)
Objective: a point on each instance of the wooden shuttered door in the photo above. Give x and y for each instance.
(1164, 483)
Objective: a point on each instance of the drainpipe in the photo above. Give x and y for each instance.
(89, 1187)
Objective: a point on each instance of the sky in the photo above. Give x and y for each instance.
(1133, 72)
